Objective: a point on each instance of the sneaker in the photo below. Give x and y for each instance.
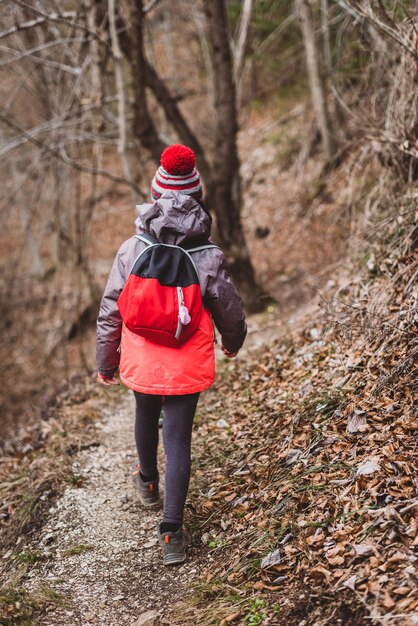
(174, 545)
(148, 492)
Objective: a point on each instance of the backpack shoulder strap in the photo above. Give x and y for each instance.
(147, 239)
(207, 247)
(200, 245)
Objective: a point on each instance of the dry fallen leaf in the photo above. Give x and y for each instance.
(273, 558)
(363, 549)
(396, 558)
(320, 572)
(230, 618)
(401, 591)
(335, 560)
(357, 421)
(351, 582)
(318, 537)
(368, 466)
(388, 602)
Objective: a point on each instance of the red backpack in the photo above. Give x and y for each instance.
(161, 299)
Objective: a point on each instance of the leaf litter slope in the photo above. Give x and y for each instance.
(303, 504)
(304, 496)
(95, 559)
(307, 479)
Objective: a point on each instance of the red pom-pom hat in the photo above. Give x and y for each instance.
(177, 173)
(178, 160)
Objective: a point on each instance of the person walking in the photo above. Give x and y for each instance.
(168, 285)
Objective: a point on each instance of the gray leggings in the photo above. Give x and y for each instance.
(179, 412)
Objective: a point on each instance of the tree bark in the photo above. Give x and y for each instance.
(174, 115)
(326, 37)
(225, 186)
(242, 45)
(199, 20)
(315, 79)
(143, 125)
(120, 87)
(221, 179)
(95, 73)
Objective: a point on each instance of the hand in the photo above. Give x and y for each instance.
(227, 353)
(106, 381)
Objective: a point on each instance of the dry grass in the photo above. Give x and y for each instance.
(34, 470)
(19, 607)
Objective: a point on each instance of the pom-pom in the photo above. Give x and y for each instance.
(178, 160)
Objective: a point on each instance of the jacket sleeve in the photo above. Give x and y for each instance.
(109, 322)
(225, 306)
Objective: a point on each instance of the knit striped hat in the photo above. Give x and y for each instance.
(177, 172)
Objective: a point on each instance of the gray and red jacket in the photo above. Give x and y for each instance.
(174, 219)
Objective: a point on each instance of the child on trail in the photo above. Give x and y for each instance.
(173, 269)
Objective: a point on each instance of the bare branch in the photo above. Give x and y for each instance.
(275, 33)
(63, 156)
(315, 79)
(151, 4)
(44, 46)
(32, 23)
(57, 123)
(355, 9)
(175, 116)
(61, 17)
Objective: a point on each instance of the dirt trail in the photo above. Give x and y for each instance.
(101, 545)
(98, 548)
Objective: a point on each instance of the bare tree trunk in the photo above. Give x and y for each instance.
(326, 36)
(120, 87)
(199, 21)
(35, 256)
(62, 221)
(176, 118)
(222, 180)
(96, 79)
(242, 44)
(328, 72)
(143, 126)
(225, 188)
(315, 79)
(169, 104)
(171, 49)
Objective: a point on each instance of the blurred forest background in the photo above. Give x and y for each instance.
(304, 119)
(303, 115)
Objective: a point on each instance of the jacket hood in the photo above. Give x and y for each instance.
(174, 218)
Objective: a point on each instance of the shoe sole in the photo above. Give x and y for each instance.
(149, 505)
(174, 559)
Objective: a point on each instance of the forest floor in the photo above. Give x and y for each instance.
(302, 507)
(295, 519)
(95, 559)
